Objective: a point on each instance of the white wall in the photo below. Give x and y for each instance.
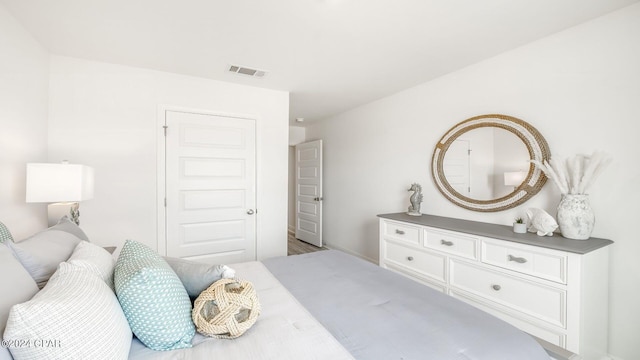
(24, 76)
(296, 136)
(105, 116)
(579, 88)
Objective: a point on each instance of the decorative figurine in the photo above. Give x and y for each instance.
(540, 222)
(415, 200)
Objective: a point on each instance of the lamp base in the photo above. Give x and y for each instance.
(58, 210)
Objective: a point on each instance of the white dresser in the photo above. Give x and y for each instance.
(551, 287)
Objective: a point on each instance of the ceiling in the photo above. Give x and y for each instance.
(331, 55)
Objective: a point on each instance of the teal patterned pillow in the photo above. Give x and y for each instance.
(153, 299)
(5, 235)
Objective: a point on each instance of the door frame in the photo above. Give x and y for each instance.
(320, 192)
(161, 184)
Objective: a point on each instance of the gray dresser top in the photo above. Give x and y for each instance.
(502, 232)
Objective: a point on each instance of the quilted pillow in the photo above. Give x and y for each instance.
(76, 316)
(41, 253)
(153, 299)
(5, 235)
(95, 259)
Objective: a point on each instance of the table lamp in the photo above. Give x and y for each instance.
(62, 185)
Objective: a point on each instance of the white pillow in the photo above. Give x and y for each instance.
(95, 259)
(41, 253)
(76, 316)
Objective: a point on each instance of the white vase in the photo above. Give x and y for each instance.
(575, 216)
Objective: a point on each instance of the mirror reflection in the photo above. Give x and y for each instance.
(486, 163)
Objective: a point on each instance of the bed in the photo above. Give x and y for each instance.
(322, 305)
(331, 305)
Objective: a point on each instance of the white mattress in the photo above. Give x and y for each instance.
(284, 330)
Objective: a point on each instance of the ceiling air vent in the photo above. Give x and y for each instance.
(237, 69)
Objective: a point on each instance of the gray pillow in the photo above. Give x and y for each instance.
(16, 285)
(197, 277)
(41, 253)
(5, 234)
(65, 224)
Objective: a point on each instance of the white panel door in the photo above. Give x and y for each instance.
(210, 187)
(456, 166)
(309, 192)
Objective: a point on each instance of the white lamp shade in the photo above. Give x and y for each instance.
(59, 183)
(514, 178)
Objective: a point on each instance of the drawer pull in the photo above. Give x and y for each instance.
(496, 287)
(445, 242)
(519, 260)
(399, 232)
(410, 258)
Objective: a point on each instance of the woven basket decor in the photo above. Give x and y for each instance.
(226, 309)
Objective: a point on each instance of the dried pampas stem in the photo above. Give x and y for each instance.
(598, 162)
(575, 175)
(562, 175)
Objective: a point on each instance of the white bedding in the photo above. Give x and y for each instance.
(284, 330)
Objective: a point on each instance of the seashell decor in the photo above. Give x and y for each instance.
(540, 222)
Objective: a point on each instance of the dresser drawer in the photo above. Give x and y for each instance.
(514, 318)
(402, 232)
(550, 265)
(538, 300)
(451, 243)
(423, 263)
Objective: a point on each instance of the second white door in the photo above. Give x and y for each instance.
(309, 192)
(210, 187)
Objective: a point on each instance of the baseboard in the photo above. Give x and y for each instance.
(334, 247)
(291, 230)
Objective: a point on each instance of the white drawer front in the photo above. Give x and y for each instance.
(550, 265)
(543, 302)
(452, 243)
(556, 338)
(426, 264)
(402, 232)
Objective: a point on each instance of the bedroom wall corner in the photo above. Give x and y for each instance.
(24, 77)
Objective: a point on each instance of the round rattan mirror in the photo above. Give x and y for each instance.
(482, 163)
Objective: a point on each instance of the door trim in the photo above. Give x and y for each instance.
(319, 241)
(161, 184)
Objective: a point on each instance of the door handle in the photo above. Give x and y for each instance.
(317, 198)
(250, 212)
